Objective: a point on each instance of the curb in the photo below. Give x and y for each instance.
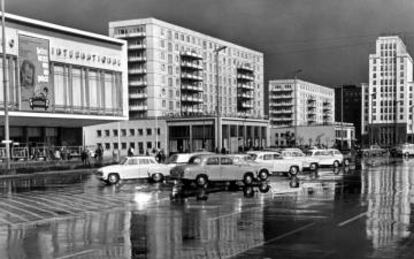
(48, 173)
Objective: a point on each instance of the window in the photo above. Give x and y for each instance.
(132, 161)
(212, 161)
(94, 93)
(132, 132)
(140, 132)
(76, 87)
(226, 161)
(149, 145)
(123, 145)
(123, 132)
(149, 132)
(99, 133)
(132, 144)
(159, 131)
(268, 157)
(107, 146)
(116, 145)
(59, 85)
(107, 133)
(115, 133)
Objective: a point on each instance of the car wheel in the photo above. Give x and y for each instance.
(407, 155)
(264, 187)
(346, 162)
(248, 179)
(263, 174)
(294, 182)
(313, 166)
(157, 177)
(336, 164)
(113, 178)
(201, 180)
(293, 170)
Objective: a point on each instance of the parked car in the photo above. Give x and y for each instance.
(182, 158)
(274, 162)
(135, 167)
(327, 157)
(263, 171)
(373, 150)
(202, 169)
(296, 155)
(405, 149)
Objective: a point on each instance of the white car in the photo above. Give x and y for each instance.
(274, 162)
(296, 155)
(327, 157)
(135, 167)
(182, 158)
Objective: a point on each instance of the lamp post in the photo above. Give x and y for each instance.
(5, 88)
(370, 133)
(342, 116)
(412, 125)
(218, 106)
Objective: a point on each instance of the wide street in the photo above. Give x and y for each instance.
(332, 214)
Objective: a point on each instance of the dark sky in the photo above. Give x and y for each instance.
(328, 39)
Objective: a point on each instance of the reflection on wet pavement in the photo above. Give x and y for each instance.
(328, 214)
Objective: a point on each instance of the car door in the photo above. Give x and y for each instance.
(268, 161)
(130, 169)
(212, 168)
(143, 167)
(230, 170)
(280, 164)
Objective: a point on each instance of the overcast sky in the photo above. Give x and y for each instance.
(328, 39)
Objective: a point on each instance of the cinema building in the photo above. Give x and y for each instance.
(59, 80)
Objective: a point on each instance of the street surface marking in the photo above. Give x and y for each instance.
(237, 212)
(290, 233)
(77, 254)
(59, 205)
(23, 210)
(352, 219)
(83, 201)
(33, 207)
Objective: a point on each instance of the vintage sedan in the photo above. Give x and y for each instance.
(135, 167)
(273, 162)
(202, 169)
(296, 155)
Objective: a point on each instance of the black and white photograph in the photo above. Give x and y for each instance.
(208, 129)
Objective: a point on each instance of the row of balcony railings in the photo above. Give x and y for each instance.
(194, 87)
(140, 58)
(191, 65)
(137, 46)
(137, 34)
(191, 98)
(137, 83)
(281, 96)
(277, 111)
(138, 107)
(137, 70)
(245, 86)
(192, 76)
(280, 104)
(137, 95)
(248, 95)
(191, 55)
(243, 77)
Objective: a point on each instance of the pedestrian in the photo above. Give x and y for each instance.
(130, 151)
(83, 157)
(162, 156)
(158, 157)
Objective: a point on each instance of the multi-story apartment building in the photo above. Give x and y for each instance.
(294, 102)
(173, 81)
(172, 70)
(388, 97)
(60, 79)
(348, 106)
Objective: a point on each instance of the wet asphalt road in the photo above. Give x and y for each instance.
(344, 214)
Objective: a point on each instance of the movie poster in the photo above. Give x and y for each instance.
(34, 73)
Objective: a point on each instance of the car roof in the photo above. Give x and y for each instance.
(138, 156)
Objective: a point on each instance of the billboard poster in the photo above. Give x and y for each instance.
(34, 73)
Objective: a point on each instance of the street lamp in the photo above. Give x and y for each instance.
(5, 88)
(412, 124)
(218, 137)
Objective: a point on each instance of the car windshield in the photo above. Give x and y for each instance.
(123, 161)
(195, 160)
(172, 159)
(252, 156)
(309, 153)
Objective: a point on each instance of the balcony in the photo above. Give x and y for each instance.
(138, 95)
(281, 111)
(137, 71)
(191, 55)
(192, 110)
(283, 118)
(131, 34)
(245, 86)
(192, 99)
(245, 95)
(138, 107)
(281, 104)
(281, 96)
(245, 77)
(137, 83)
(189, 76)
(246, 67)
(137, 59)
(194, 88)
(192, 65)
(246, 105)
(136, 46)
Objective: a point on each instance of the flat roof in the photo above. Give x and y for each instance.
(60, 28)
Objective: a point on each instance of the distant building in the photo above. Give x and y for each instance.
(314, 135)
(297, 102)
(352, 103)
(387, 99)
(172, 77)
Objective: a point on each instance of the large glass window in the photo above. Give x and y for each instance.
(109, 91)
(76, 87)
(59, 85)
(93, 89)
